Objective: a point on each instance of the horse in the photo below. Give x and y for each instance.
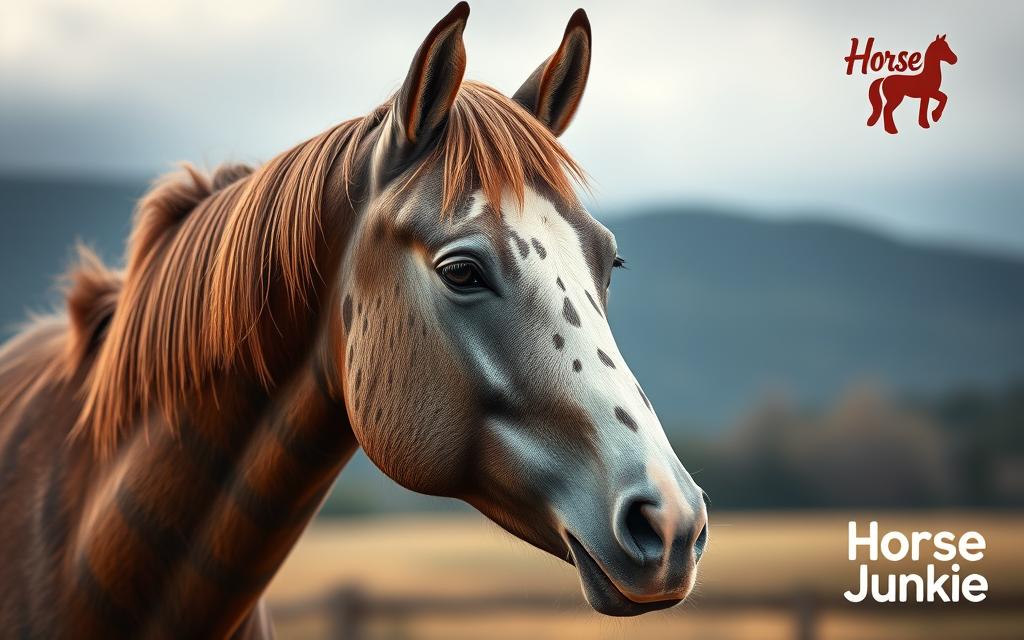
(923, 85)
(421, 282)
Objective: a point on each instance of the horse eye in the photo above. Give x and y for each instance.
(618, 263)
(461, 275)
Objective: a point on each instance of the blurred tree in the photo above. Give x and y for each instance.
(965, 448)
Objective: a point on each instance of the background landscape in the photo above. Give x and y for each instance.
(828, 320)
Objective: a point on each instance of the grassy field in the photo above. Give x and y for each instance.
(756, 554)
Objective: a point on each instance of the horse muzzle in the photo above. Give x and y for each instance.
(649, 561)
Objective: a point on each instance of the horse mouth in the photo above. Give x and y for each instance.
(601, 592)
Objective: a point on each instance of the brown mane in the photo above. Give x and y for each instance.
(204, 251)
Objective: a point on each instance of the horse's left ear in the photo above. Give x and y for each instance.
(554, 90)
(943, 37)
(426, 96)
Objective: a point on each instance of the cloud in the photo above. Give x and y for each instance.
(744, 102)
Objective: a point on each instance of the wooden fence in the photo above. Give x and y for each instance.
(349, 608)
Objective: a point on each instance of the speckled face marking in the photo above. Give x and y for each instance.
(346, 313)
(623, 416)
(554, 328)
(567, 258)
(521, 245)
(569, 313)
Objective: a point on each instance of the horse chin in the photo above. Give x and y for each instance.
(601, 592)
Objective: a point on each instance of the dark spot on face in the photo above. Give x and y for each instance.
(644, 396)
(359, 379)
(522, 245)
(625, 418)
(539, 248)
(359, 308)
(351, 352)
(569, 311)
(559, 341)
(366, 323)
(593, 304)
(605, 359)
(378, 303)
(577, 366)
(370, 394)
(346, 313)
(561, 286)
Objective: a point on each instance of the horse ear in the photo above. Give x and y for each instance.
(422, 105)
(943, 36)
(553, 91)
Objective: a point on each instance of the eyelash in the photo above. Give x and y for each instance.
(617, 263)
(447, 271)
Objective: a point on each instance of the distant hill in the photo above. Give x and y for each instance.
(715, 309)
(718, 308)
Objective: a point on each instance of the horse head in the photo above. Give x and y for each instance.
(939, 50)
(478, 359)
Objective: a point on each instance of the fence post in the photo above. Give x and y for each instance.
(348, 613)
(806, 616)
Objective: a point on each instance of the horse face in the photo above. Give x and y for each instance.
(483, 367)
(480, 364)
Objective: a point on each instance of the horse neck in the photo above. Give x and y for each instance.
(190, 521)
(187, 529)
(932, 65)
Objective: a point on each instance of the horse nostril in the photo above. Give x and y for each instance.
(644, 535)
(699, 544)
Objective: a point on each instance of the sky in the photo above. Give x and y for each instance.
(734, 104)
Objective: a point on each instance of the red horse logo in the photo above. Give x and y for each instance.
(923, 85)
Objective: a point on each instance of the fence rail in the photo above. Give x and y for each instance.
(349, 608)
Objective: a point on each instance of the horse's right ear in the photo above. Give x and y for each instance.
(553, 92)
(422, 105)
